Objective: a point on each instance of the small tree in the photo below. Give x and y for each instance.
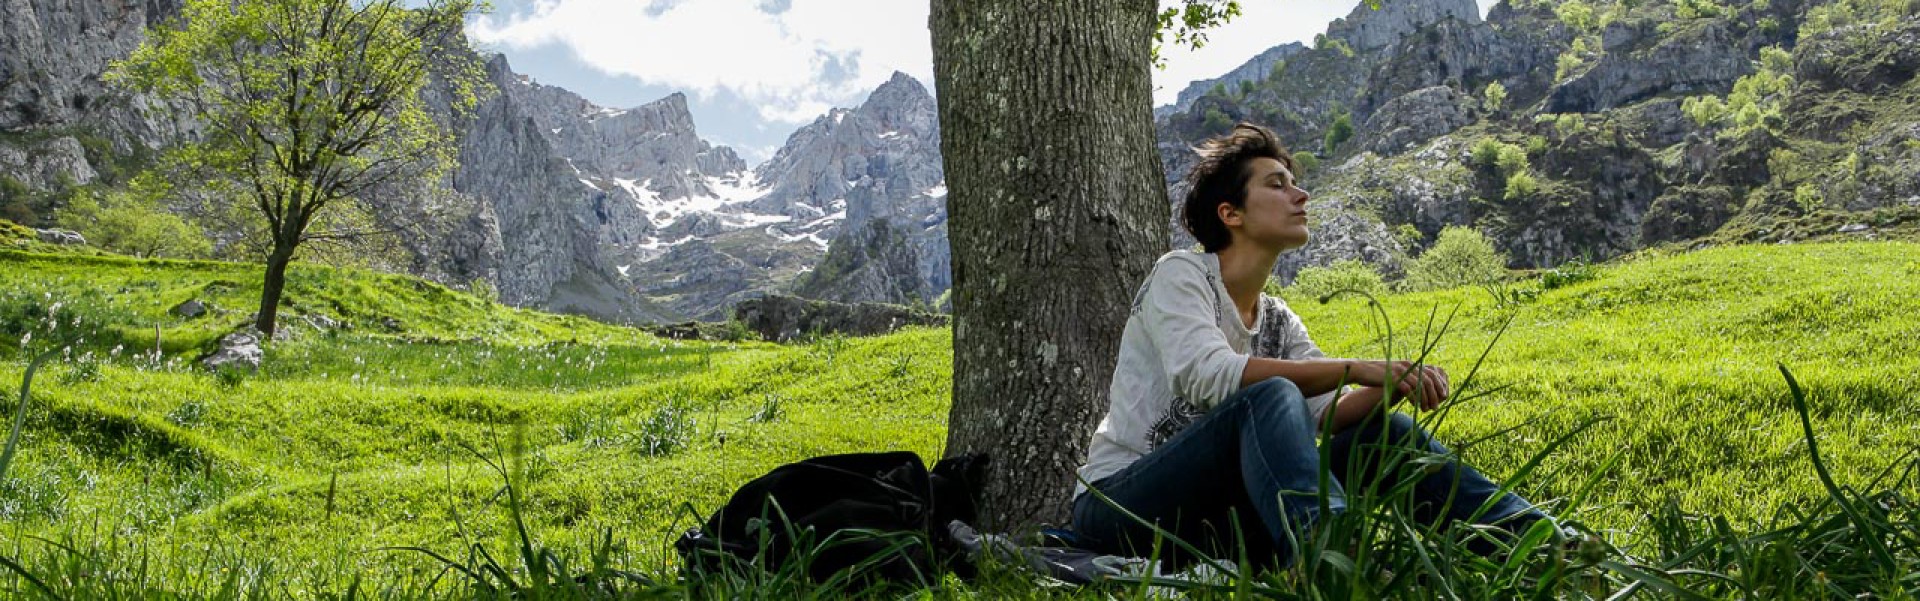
(1496, 97)
(1462, 256)
(310, 105)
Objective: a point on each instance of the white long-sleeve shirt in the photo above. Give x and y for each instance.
(1183, 352)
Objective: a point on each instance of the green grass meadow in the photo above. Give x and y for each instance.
(144, 470)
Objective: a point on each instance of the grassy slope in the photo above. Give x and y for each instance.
(175, 452)
(1679, 350)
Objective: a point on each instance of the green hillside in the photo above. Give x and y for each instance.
(357, 437)
(1681, 353)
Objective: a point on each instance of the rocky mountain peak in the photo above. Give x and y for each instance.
(1367, 28)
(666, 115)
(901, 106)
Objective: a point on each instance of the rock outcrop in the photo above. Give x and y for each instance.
(880, 160)
(52, 53)
(1416, 117)
(552, 259)
(874, 263)
(1516, 49)
(60, 124)
(1637, 65)
(1254, 70)
(1367, 28)
(61, 237)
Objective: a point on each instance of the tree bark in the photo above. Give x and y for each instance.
(270, 289)
(1056, 210)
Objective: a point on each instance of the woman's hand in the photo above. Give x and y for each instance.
(1425, 385)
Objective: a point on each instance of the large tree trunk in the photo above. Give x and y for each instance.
(276, 281)
(1056, 211)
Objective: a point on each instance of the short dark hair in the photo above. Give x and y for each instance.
(1221, 176)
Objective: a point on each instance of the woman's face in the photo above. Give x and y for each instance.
(1275, 215)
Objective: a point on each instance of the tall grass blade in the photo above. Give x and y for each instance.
(451, 564)
(1534, 463)
(20, 413)
(1642, 577)
(35, 580)
(1844, 501)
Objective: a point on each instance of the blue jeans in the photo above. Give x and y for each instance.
(1254, 461)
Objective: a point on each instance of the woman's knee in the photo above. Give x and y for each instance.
(1400, 424)
(1404, 430)
(1275, 388)
(1279, 400)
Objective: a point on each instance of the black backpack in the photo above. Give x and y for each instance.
(882, 513)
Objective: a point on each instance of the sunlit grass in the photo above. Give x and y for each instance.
(1682, 351)
(362, 437)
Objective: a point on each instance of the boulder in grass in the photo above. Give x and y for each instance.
(1854, 228)
(61, 237)
(190, 309)
(239, 350)
(322, 322)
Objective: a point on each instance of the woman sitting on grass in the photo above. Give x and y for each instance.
(1218, 395)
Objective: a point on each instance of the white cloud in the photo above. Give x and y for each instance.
(783, 63)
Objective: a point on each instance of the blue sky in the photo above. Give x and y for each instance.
(756, 70)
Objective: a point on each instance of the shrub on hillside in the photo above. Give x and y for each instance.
(1217, 121)
(1461, 256)
(1576, 14)
(1316, 282)
(668, 430)
(483, 289)
(1568, 274)
(1521, 186)
(1486, 152)
(1511, 160)
(1568, 124)
(34, 319)
(1308, 163)
(1508, 159)
(123, 223)
(1339, 133)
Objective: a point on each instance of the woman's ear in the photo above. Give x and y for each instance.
(1229, 214)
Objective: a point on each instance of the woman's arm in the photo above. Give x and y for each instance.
(1317, 376)
(1355, 406)
(1313, 376)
